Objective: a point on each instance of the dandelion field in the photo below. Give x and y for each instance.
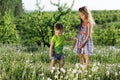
(16, 63)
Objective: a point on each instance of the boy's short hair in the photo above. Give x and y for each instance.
(58, 26)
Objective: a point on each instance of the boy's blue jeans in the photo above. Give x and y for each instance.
(57, 56)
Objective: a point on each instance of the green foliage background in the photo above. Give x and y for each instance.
(36, 28)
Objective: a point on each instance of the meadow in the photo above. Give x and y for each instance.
(34, 30)
(17, 63)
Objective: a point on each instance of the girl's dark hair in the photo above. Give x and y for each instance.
(88, 15)
(83, 9)
(58, 26)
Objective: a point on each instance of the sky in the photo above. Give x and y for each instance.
(30, 5)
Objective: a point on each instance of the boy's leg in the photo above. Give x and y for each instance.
(61, 60)
(87, 60)
(52, 64)
(80, 58)
(53, 60)
(61, 63)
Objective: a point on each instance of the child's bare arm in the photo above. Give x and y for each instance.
(72, 38)
(51, 50)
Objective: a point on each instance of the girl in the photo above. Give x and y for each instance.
(84, 44)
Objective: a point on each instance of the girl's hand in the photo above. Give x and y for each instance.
(74, 38)
(81, 46)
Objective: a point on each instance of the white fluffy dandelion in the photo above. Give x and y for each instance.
(27, 61)
(75, 78)
(56, 76)
(98, 78)
(69, 70)
(82, 66)
(79, 71)
(116, 73)
(71, 75)
(98, 64)
(74, 71)
(107, 73)
(58, 72)
(42, 74)
(90, 76)
(49, 79)
(95, 68)
(77, 65)
(63, 70)
(77, 75)
(84, 79)
(66, 77)
(52, 69)
(61, 77)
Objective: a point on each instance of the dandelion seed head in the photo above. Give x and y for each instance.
(82, 66)
(107, 73)
(70, 70)
(42, 74)
(86, 71)
(84, 79)
(49, 79)
(77, 65)
(66, 77)
(75, 78)
(61, 76)
(116, 73)
(79, 71)
(98, 64)
(90, 76)
(98, 78)
(51, 70)
(27, 61)
(58, 72)
(63, 70)
(56, 76)
(74, 71)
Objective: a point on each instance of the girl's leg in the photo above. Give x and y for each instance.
(87, 61)
(80, 58)
(52, 64)
(61, 63)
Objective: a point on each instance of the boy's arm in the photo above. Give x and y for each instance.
(51, 50)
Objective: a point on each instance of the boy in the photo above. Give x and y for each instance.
(56, 46)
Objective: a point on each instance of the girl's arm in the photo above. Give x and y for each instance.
(87, 37)
(72, 38)
(51, 50)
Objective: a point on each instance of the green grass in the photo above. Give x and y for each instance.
(16, 63)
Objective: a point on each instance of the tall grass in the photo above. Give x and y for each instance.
(16, 63)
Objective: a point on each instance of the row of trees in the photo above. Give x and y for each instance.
(14, 5)
(102, 17)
